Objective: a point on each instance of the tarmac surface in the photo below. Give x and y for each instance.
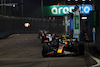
(24, 50)
(91, 48)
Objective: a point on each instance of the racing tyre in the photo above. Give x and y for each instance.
(81, 48)
(45, 50)
(42, 39)
(75, 49)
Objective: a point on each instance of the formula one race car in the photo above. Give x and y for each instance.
(45, 36)
(63, 46)
(41, 33)
(49, 37)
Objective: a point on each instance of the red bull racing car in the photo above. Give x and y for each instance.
(63, 46)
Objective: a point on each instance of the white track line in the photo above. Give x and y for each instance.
(96, 59)
(13, 35)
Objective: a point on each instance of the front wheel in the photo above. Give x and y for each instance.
(45, 50)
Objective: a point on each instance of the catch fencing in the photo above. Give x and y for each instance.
(15, 25)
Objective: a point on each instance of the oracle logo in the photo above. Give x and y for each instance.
(58, 10)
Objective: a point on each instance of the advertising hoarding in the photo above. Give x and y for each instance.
(65, 9)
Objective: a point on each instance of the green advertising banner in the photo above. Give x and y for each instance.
(63, 9)
(76, 20)
(55, 10)
(94, 18)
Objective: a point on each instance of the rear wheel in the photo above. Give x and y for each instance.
(42, 39)
(81, 48)
(78, 49)
(75, 49)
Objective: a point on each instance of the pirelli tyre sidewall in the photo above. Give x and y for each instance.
(42, 39)
(75, 49)
(45, 50)
(81, 48)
